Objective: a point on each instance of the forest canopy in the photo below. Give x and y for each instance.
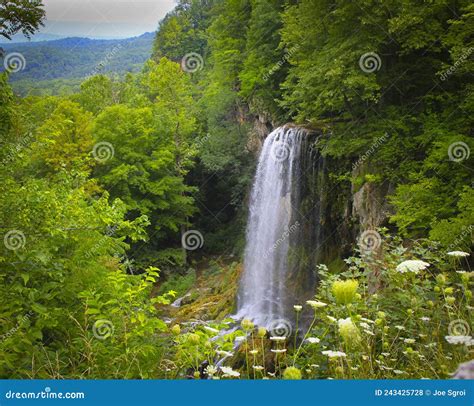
(101, 185)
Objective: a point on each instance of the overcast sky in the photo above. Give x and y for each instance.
(104, 18)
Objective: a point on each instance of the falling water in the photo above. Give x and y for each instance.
(265, 289)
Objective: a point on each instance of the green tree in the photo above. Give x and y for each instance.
(20, 15)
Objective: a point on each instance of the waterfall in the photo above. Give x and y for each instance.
(267, 288)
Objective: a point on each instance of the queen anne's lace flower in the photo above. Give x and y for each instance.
(278, 351)
(459, 340)
(313, 340)
(315, 304)
(412, 265)
(458, 254)
(334, 354)
(229, 372)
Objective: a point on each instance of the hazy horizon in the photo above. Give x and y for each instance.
(102, 18)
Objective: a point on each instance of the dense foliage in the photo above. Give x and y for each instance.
(101, 183)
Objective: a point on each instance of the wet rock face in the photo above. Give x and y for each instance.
(369, 205)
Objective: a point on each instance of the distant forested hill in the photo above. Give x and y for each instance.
(59, 66)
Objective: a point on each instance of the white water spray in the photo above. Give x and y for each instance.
(266, 281)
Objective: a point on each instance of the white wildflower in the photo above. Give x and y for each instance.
(425, 318)
(297, 308)
(224, 353)
(334, 354)
(258, 367)
(313, 340)
(229, 372)
(364, 325)
(414, 265)
(458, 254)
(400, 327)
(315, 304)
(210, 370)
(458, 339)
(398, 372)
(367, 320)
(278, 351)
(409, 341)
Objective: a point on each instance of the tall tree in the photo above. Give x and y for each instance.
(20, 15)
